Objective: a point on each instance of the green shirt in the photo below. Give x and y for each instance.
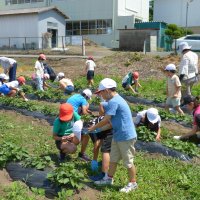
(128, 79)
(61, 128)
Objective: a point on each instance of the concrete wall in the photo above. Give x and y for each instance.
(174, 12)
(18, 26)
(134, 40)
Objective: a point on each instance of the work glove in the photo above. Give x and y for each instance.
(25, 99)
(94, 165)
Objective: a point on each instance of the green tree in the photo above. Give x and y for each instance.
(174, 32)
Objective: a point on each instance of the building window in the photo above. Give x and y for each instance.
(10, 2)
(89, 27)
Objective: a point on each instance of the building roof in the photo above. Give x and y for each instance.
(32, 10)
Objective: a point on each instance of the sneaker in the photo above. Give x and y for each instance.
(97, 177)
(129, 187)
(84, 157)
(104, 181)
(177, 137)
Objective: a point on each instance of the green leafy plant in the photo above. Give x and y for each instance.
(145, 134)
(67, 174)
(185, 147)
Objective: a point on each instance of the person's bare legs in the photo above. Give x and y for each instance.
(178, 109)
(132, 174)
(105, 162)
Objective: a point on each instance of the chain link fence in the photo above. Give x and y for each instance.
(68, 44)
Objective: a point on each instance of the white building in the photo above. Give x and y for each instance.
(26, 28)
(98, 20)
(184, 13)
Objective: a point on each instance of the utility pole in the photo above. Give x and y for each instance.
(186, 21)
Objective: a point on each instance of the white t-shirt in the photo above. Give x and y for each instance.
(13, 84)
(7, 62)
(39, 69)
(189, 65)
(77, 128)
(141, 115)
(90, 65)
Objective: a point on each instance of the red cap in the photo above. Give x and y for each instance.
(90, 58)
(66, 112)
(42, 56)
(135, 75)
(21, 79)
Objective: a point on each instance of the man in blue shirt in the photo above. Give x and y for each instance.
(124, 133)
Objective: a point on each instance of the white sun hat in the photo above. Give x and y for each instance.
(152, 115)
(183, 46)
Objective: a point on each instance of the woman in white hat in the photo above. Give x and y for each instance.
(151, 119)
(188, 70)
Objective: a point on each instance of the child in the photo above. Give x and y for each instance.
(10, 89)
(131, 79)
(90, 65)
(124, 135)
(151, 119)
(193, 106)
(39, 72)
(81, 106)
(3, 78)
(173, 89)
(65, 83)
(67, 130)
(100, 139)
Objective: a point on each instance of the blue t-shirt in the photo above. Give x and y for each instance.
(121, 119)
(77, 100)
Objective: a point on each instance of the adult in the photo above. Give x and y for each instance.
(151, 119)
(188, 70)
(193, 106)
(124, 135)
(132, 78)
(10, 67)
(90, 65)
(67, 130)
(65, 83)
(81, 106)
(10, 89)
(39, 72)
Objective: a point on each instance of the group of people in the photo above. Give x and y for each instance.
(114, 129)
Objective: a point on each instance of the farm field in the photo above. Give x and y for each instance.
(26, 136)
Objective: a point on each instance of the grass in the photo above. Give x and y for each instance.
(159, 177)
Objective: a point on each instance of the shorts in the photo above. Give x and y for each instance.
(90, 74)
(173, 102)
(5, 89)
(69, 89)
(98, 136)
(106, 145)
(124, 150)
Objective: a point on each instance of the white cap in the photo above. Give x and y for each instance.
(4, 76)
(88, 93)
(183, 45)
(60, 75)
(152, 115)
(77, 127)
(106, 83)
(170, 67)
